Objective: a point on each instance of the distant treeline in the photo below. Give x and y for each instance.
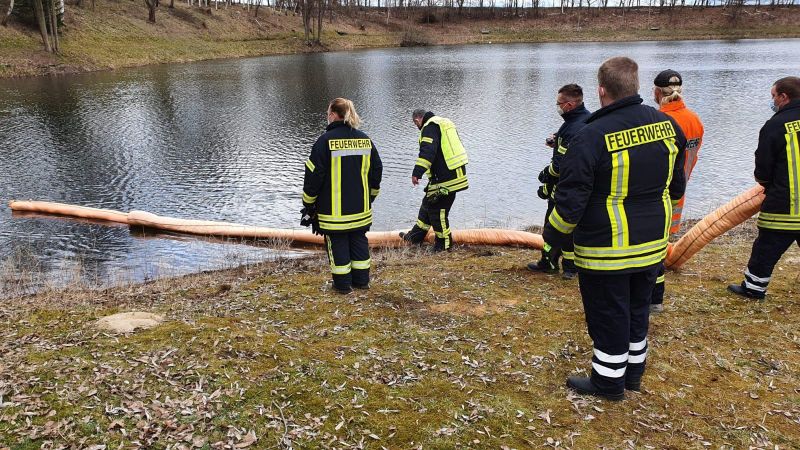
(47, 15)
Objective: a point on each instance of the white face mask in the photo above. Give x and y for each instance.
(559, 110)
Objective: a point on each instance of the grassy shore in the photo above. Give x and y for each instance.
(116, 34)
(465, 350)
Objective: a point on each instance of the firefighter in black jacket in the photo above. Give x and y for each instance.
(443, 158)
(778, 170)
(342, 178)
(617, 181)
(569, 102)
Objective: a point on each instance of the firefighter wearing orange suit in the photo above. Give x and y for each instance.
(668, 94)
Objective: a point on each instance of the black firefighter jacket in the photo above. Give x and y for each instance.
(778, 170)
(622, 173)
(342, 178)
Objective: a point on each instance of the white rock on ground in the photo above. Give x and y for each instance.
(127, 322)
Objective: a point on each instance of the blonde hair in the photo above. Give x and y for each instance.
(345, 109)
(671, 93)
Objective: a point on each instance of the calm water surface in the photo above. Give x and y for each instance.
(226, 140)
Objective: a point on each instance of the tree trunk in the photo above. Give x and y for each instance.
(38, 11)
(54, 25)
(320, 15)
(8, 14)
(151, 6)
(171, 4)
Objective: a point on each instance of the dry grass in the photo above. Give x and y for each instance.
(468, 350)
(116, 34)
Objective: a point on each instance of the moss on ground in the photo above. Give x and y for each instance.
(465, 350)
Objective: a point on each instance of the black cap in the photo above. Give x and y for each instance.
(662, 79)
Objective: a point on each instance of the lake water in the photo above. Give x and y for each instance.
(226, 140)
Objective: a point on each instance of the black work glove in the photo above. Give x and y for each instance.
(546, 178)
(550, 257)
(315, 226)
(307, 215)
(543, 192)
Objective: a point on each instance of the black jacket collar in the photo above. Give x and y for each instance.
(576, 112)
(791, 105)
(335, 124)
(427, 116)
(621, 103)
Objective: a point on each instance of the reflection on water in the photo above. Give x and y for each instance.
(227, 140)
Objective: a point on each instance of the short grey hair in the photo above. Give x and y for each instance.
(418, 113)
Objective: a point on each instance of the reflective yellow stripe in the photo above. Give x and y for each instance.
(552, 170)
(620, 264)
(336, 270)
(456, 184)
(423, 225)
(445, 230)
(310, 165)
(779, 217)
(309, 199)
(374, 192)
(614, 202)
(660, 279)
(669, 205)
(333, 226)
(562, 149)
(426, 139)
(346, 217)
(424, 163)
(774, 221)
(365, 180)
(560, 224)
(361, 265)
(340, 270)
(637, 249)
(793, 159)
(336, 187)
(568, 255)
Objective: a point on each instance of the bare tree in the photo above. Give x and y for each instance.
(151, 6)
(38, 11)
(8, 14)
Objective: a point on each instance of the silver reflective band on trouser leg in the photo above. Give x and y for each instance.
(637, 352)
(755, 283)
(605, 358)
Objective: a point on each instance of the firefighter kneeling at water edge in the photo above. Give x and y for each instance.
(569, 102)
(778, 170)
(614, 195)
(443, 158)
(342, 179)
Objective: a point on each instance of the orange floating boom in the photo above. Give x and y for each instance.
(724, 218)
(712, 226)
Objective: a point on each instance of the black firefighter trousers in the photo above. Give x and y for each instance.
(617, 308)
(434, 213)
(768, 248)
(348, 254)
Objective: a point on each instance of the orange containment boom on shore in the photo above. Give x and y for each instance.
(712, 226)
(481, 236)
(724, 218)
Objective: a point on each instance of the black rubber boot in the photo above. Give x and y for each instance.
(570, 269)
(415, 235)
(544, 265)
(740, 289)
(342, 290)
(584, 386)
(633, 385)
